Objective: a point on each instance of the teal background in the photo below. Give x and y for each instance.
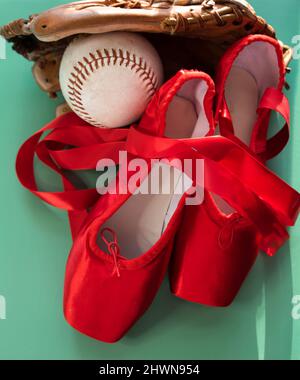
(35, 241)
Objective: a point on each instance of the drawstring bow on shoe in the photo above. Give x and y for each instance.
(113, 247)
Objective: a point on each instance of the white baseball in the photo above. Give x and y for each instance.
(108, 79)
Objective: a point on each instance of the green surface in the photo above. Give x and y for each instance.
(35, 242)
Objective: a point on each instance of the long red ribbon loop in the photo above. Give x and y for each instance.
(71, 199)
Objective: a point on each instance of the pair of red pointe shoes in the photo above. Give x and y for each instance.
(126, 243)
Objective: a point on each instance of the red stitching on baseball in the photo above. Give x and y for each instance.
(73, 90)
(74, 84)
(79, 75)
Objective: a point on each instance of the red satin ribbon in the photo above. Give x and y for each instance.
(67, 130)
(71, 199)
(231, 172)
(272, 100)
(235, 175)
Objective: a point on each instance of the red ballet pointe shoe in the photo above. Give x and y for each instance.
(215, 246)
(122, 253)
(249, 84)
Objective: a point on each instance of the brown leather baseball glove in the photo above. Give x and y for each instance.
(188, 34)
